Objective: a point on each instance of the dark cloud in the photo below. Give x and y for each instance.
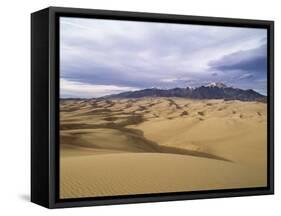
(257, 63)
(254, 60)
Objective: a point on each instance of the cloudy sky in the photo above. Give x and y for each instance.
(102, 57)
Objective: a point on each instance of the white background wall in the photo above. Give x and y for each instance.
(15, 106)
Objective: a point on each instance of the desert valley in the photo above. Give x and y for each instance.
(120, 146)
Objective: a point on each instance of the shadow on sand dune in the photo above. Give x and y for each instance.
(138, 143)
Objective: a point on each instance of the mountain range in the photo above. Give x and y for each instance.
(210, 91)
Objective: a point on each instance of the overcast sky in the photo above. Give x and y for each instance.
(101, 57)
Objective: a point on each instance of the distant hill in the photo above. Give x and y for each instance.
(210, 91)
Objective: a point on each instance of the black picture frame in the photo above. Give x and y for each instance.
(45, 106)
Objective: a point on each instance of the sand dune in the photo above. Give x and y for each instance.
(155, 145)
(136, 173)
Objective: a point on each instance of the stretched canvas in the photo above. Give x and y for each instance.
(159, 107)
(139, 107)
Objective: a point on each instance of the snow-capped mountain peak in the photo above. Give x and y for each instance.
(216, 84)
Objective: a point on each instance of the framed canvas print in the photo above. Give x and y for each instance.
(138, 107)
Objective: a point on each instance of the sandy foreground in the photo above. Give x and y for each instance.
(154, 145)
